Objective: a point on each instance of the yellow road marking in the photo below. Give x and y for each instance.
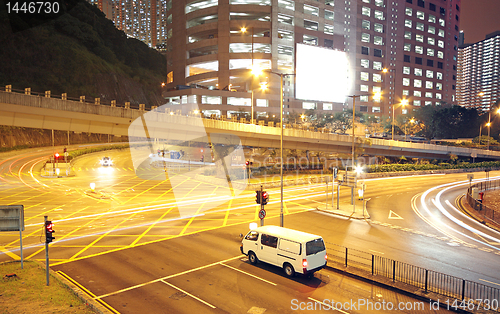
(197, 211)
(93, 296)
(167, 277)
(251, 275)
(227, 212)
(187, 293)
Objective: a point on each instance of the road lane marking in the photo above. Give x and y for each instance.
(106, 305)
(328, 306)
(393, 215)
(498, 284)
(168, 277)
(189, 294)
(244, 272)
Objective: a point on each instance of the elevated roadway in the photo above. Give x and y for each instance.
(22, 110)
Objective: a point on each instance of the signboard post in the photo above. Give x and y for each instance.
(12, 219)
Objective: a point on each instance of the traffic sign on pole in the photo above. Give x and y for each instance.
(262, 213)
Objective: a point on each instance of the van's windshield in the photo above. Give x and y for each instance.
(315, 246)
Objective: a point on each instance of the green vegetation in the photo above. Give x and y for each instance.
(79, 152)
(428, 166)
(27, 292)
(80, 53)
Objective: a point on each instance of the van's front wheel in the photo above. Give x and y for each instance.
(289, 271)
(252, 258)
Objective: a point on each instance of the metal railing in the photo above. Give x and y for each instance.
(428, 280)
(486, 212)
(19, 98)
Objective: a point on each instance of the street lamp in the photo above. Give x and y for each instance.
(281, 75)
(385, 70)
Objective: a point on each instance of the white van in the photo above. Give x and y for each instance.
(295, 251)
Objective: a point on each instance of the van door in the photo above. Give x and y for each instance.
(268, 248)
(315, 253)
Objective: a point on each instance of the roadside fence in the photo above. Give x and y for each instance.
(462, 290)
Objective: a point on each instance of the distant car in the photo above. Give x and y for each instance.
(106, 161)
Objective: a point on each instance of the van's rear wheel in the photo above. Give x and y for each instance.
(252, 258)
(289, 271)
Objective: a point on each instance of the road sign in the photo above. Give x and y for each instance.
(262, 213)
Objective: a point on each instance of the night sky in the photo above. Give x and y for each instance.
(478, 18)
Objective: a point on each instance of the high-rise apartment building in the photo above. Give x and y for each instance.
(145, 20)
(212, 45)
(478, 83)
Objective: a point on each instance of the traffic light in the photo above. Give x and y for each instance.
(247, 163)
(56, 156)
(265, 198)
(48, 231)
(258, 197)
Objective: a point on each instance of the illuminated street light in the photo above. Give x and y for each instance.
(281, 75)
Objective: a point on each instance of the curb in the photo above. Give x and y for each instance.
(400, 287)
(79, 293)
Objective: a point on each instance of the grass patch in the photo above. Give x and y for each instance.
(28, 292)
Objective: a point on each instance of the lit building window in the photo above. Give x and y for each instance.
(418, 72)
(407, 35)
(377, 40)
(416, 103)
(363, 88)
(430, 52)
(432, 18)
(409, 11)
(407, 47)
(406, 81)
(329, 16)
(429, 84)
(420, 15)
(420, 26)
(379, 15)
(428, 94)
(365, 76)
(365, 11)
(365, 37)
(417, 83)
(406, 70)
(379, 28)
(419, 49)
(365, 24)
(432, 30)
(377, 78)
(431, 41)
(408, 23)
(419, 38)
(377, 65)
(309, 105)
(429, 74)
(365, 63)
(417, 93)
(309, 9)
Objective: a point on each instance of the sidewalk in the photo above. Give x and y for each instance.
(346, 209)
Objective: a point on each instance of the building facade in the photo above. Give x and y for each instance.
(478, 83)
(144, 20)
(213, 44)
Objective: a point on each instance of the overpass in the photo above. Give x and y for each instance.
(34, 111)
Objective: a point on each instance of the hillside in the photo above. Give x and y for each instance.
(79, 53)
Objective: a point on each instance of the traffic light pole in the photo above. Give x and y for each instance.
(261, 207)
(46, 252)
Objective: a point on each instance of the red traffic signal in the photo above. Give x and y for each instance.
(49, 229)
(265, 198)
(56, 155)
(247, 162)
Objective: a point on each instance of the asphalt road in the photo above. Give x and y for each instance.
(123, 234)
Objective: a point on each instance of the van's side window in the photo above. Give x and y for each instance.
(290, 246)
(252, 235)
(269, 240)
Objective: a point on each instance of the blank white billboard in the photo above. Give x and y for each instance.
(321, 74)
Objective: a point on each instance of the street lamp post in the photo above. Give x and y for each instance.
(244, 30)
(281, 75)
